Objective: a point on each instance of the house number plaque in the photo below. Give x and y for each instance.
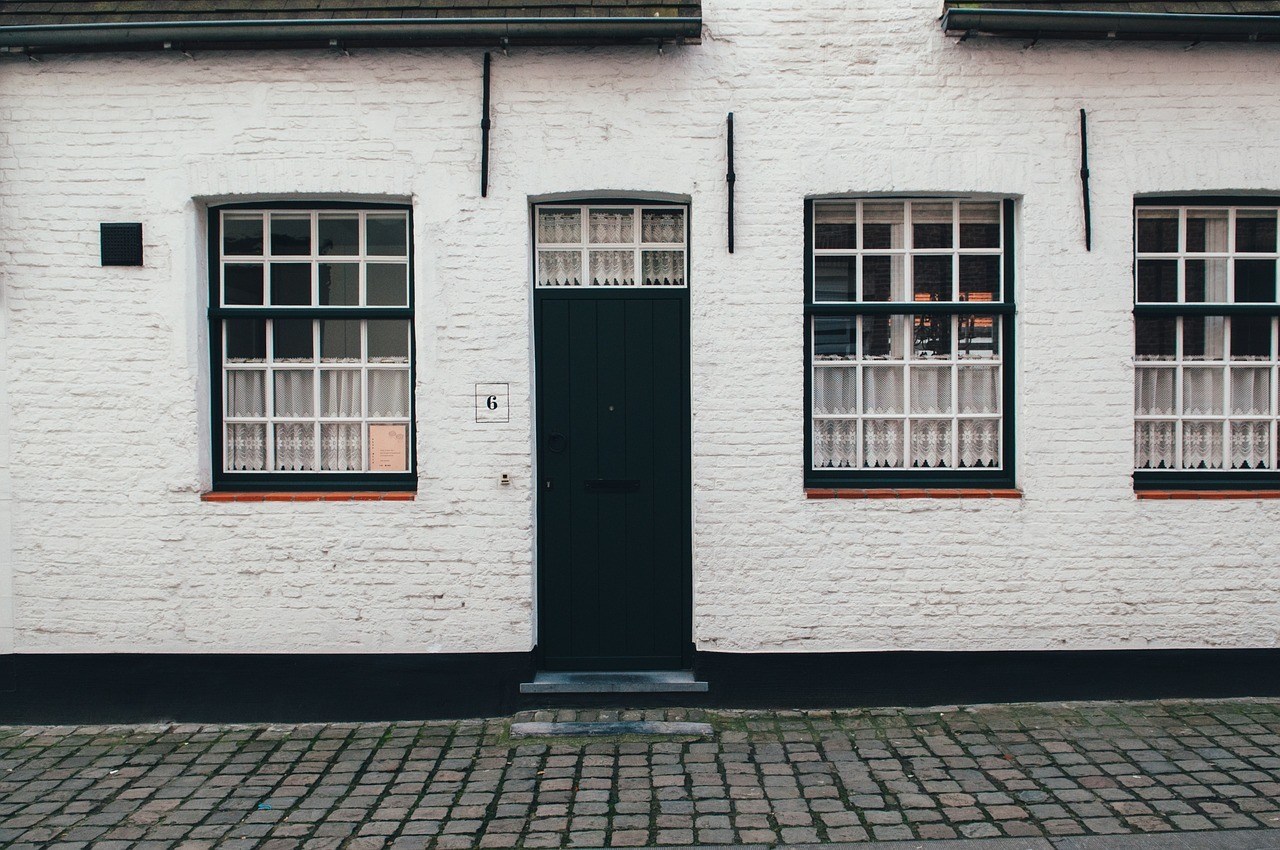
(493, 403)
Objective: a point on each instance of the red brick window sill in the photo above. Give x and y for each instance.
(325, 496)
(910, 493)
(1208, 494)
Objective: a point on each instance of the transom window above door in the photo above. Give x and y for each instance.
(611, 245)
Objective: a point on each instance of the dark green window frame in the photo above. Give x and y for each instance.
(218, 313)
(1004, 308)
(1154, 308)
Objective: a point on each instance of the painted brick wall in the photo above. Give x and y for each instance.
(112, 549)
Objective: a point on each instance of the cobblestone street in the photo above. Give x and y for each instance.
(763, 778)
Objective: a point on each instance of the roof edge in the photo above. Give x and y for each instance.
(1149, 26)
(353, 32)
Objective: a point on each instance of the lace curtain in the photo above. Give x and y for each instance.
(246, 447)
(295, 446)
(1153, 445)
(340, 448)
(340, 392)
(388, 392)
(1250, 445)
(246, 392)
(1153, 392)
(930, 443)
(294, 392)
(1201, 445)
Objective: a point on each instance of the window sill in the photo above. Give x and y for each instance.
(911, 493)
(1207, 494)
(318, 496)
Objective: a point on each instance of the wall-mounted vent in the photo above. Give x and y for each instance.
(122, 244)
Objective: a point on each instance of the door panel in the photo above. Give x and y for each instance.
(613, 494)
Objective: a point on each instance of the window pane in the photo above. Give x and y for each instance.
(931, 278)
(1255, 281)
(1251, 338)
(1157, 231)
(979, 278)
(613, 268)
(979, 225)
(1201, 445)
(340, 392)
(292, 339)
(882, 389)
(388, 392)
(246, 394)
(291, 283)
(559, 226)
(979, 443)
(882, 443)
(662, 268)
(882, 278)
(979, 337)
(1251, 392)
(389, 340)
(242, 284)
(835, 391)
(1153, 393)
(835, 225)
(1207, 231)
(294, 392)
(1203, 338)
(662, 226)
(339, 284)
(559, 268)
(885, 337)
(1154, 445)
(1250, 445)
(388, 448)
(246, 448)
(1206, 280)
(882, 225)
(931, 225)
(835, 443)
(387, 235)
(296, 447)
(1256, 231)
(242, 236)
(611, 227)
(931, 390)
(1157, 280)
(339, 235)
(1155, 339)
(978, 389)
(340, 340)
(835, 279)
(388, 285)
(930, 443)
(834, 338)
(1202, 391)
(290, 236)
(246, 340)
(340, 449)
(932, 337)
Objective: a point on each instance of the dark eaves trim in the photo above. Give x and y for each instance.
(1137, 26)
(362, 32)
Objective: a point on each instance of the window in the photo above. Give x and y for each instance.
(909, 340)
(1205, 343)
(311, 334)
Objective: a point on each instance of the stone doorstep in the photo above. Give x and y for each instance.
(571, 729)
(647, 682)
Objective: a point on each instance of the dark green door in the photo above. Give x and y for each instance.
(614, 581)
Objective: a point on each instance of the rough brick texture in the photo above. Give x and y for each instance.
(106, 375)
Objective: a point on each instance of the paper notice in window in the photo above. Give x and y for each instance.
(388, 448)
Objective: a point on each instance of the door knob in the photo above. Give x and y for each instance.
(557, 443)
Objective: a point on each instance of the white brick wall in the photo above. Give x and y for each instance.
(104, 369)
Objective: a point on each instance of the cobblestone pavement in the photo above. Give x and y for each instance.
(764, 778)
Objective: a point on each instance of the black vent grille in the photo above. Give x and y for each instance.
(122, 244)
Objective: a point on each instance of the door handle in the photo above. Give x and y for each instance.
(612, 485)
(557, 443)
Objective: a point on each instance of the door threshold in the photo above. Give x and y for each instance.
(623, 682)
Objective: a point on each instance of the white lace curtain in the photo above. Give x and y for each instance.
(295, 446)
(246, 447)
(340, 448)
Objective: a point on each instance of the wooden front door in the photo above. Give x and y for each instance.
(614, 575)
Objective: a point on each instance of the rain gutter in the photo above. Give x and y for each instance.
(1137, 26)
(353, 32)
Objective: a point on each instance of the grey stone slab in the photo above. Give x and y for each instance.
(606, 727)
(1244, 839)
(651, 682)
(932, 844)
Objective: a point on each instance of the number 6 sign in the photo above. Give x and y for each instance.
(493, 403)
